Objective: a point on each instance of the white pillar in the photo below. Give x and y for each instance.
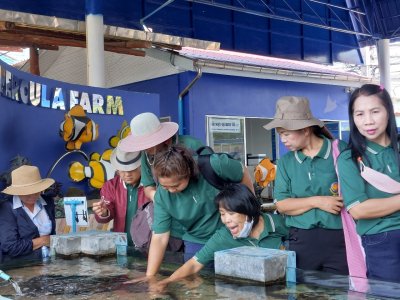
(95, 43)
(383, 49)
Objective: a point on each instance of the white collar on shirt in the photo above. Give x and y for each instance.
(17, 203)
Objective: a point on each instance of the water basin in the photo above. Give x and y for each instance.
(103, 278)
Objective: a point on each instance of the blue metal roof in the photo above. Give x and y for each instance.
(310, 30)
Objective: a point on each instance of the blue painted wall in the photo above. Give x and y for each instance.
(238, 96)
(167, 88)
(32, 131)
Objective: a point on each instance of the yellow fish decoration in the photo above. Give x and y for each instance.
(77, 128)
(264, 172)
(99, 169)
(122, 133)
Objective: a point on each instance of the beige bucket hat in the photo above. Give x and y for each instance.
(26, 180)
(125, 161)
(147, 131)
(293, 113)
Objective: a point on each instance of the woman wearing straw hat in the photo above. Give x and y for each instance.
(27, 219)
(116, 192)
(306, 188)
(152, 136)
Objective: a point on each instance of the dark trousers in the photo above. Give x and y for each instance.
(319, 249)
(191, 249)
(382, 251)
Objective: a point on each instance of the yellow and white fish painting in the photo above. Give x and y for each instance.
(77, 128)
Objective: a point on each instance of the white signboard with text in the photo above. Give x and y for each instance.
(225, 125)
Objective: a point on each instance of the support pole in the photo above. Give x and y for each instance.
(383, 47)
(34, 61)
(95, 43)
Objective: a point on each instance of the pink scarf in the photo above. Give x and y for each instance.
(354, 250)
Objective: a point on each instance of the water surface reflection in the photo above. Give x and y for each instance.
(92, 278)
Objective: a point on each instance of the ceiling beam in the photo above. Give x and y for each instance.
(18, 35)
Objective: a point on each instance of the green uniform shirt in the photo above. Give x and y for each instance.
(299, 176)
(194, 207)
(356, 190)
(131, 208)
(147, 176)
(272, 237)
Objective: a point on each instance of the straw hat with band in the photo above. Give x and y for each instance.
(26, 180)
(147, 131)
(125, 161)
(293, 113)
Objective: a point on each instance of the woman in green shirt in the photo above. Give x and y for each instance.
(186, 197)
(373, 139)
(245, 225)
(306, 188)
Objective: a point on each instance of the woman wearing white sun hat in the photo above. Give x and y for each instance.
(27, 219)
(152, 136)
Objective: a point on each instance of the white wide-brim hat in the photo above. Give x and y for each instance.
(125, 161)
(26, 180)
(147, 131)
(293, 113)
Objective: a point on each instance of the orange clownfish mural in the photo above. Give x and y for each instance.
(122, 133)
(99, 168)
(77, 128)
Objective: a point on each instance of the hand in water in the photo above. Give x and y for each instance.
(149, 279)
(101, 208)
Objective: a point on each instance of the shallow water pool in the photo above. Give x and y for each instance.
(91, 278)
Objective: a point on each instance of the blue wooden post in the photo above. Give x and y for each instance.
(73, 203)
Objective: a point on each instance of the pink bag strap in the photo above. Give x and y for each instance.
(354, 250)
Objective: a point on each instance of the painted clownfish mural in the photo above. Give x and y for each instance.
(124, 131)
(77, 128)
(99, 169)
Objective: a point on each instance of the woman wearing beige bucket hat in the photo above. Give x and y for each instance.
(27, 219)
(306, 188)
(152, 136)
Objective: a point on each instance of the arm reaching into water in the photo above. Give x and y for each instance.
(192, 266)
(158, 245)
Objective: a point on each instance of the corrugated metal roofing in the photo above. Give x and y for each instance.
(309, 30)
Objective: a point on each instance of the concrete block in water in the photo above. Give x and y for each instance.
(254, 263)
(65, 244)
(86, 242)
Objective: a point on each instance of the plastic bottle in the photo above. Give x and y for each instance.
(45, 229)
(45, 252)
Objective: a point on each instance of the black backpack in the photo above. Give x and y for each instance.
(204, 164)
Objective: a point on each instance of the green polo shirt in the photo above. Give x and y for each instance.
(131, 208)
(194, 207)
(356, 190)
(300, 176)
(272, 237)
(184, 140)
